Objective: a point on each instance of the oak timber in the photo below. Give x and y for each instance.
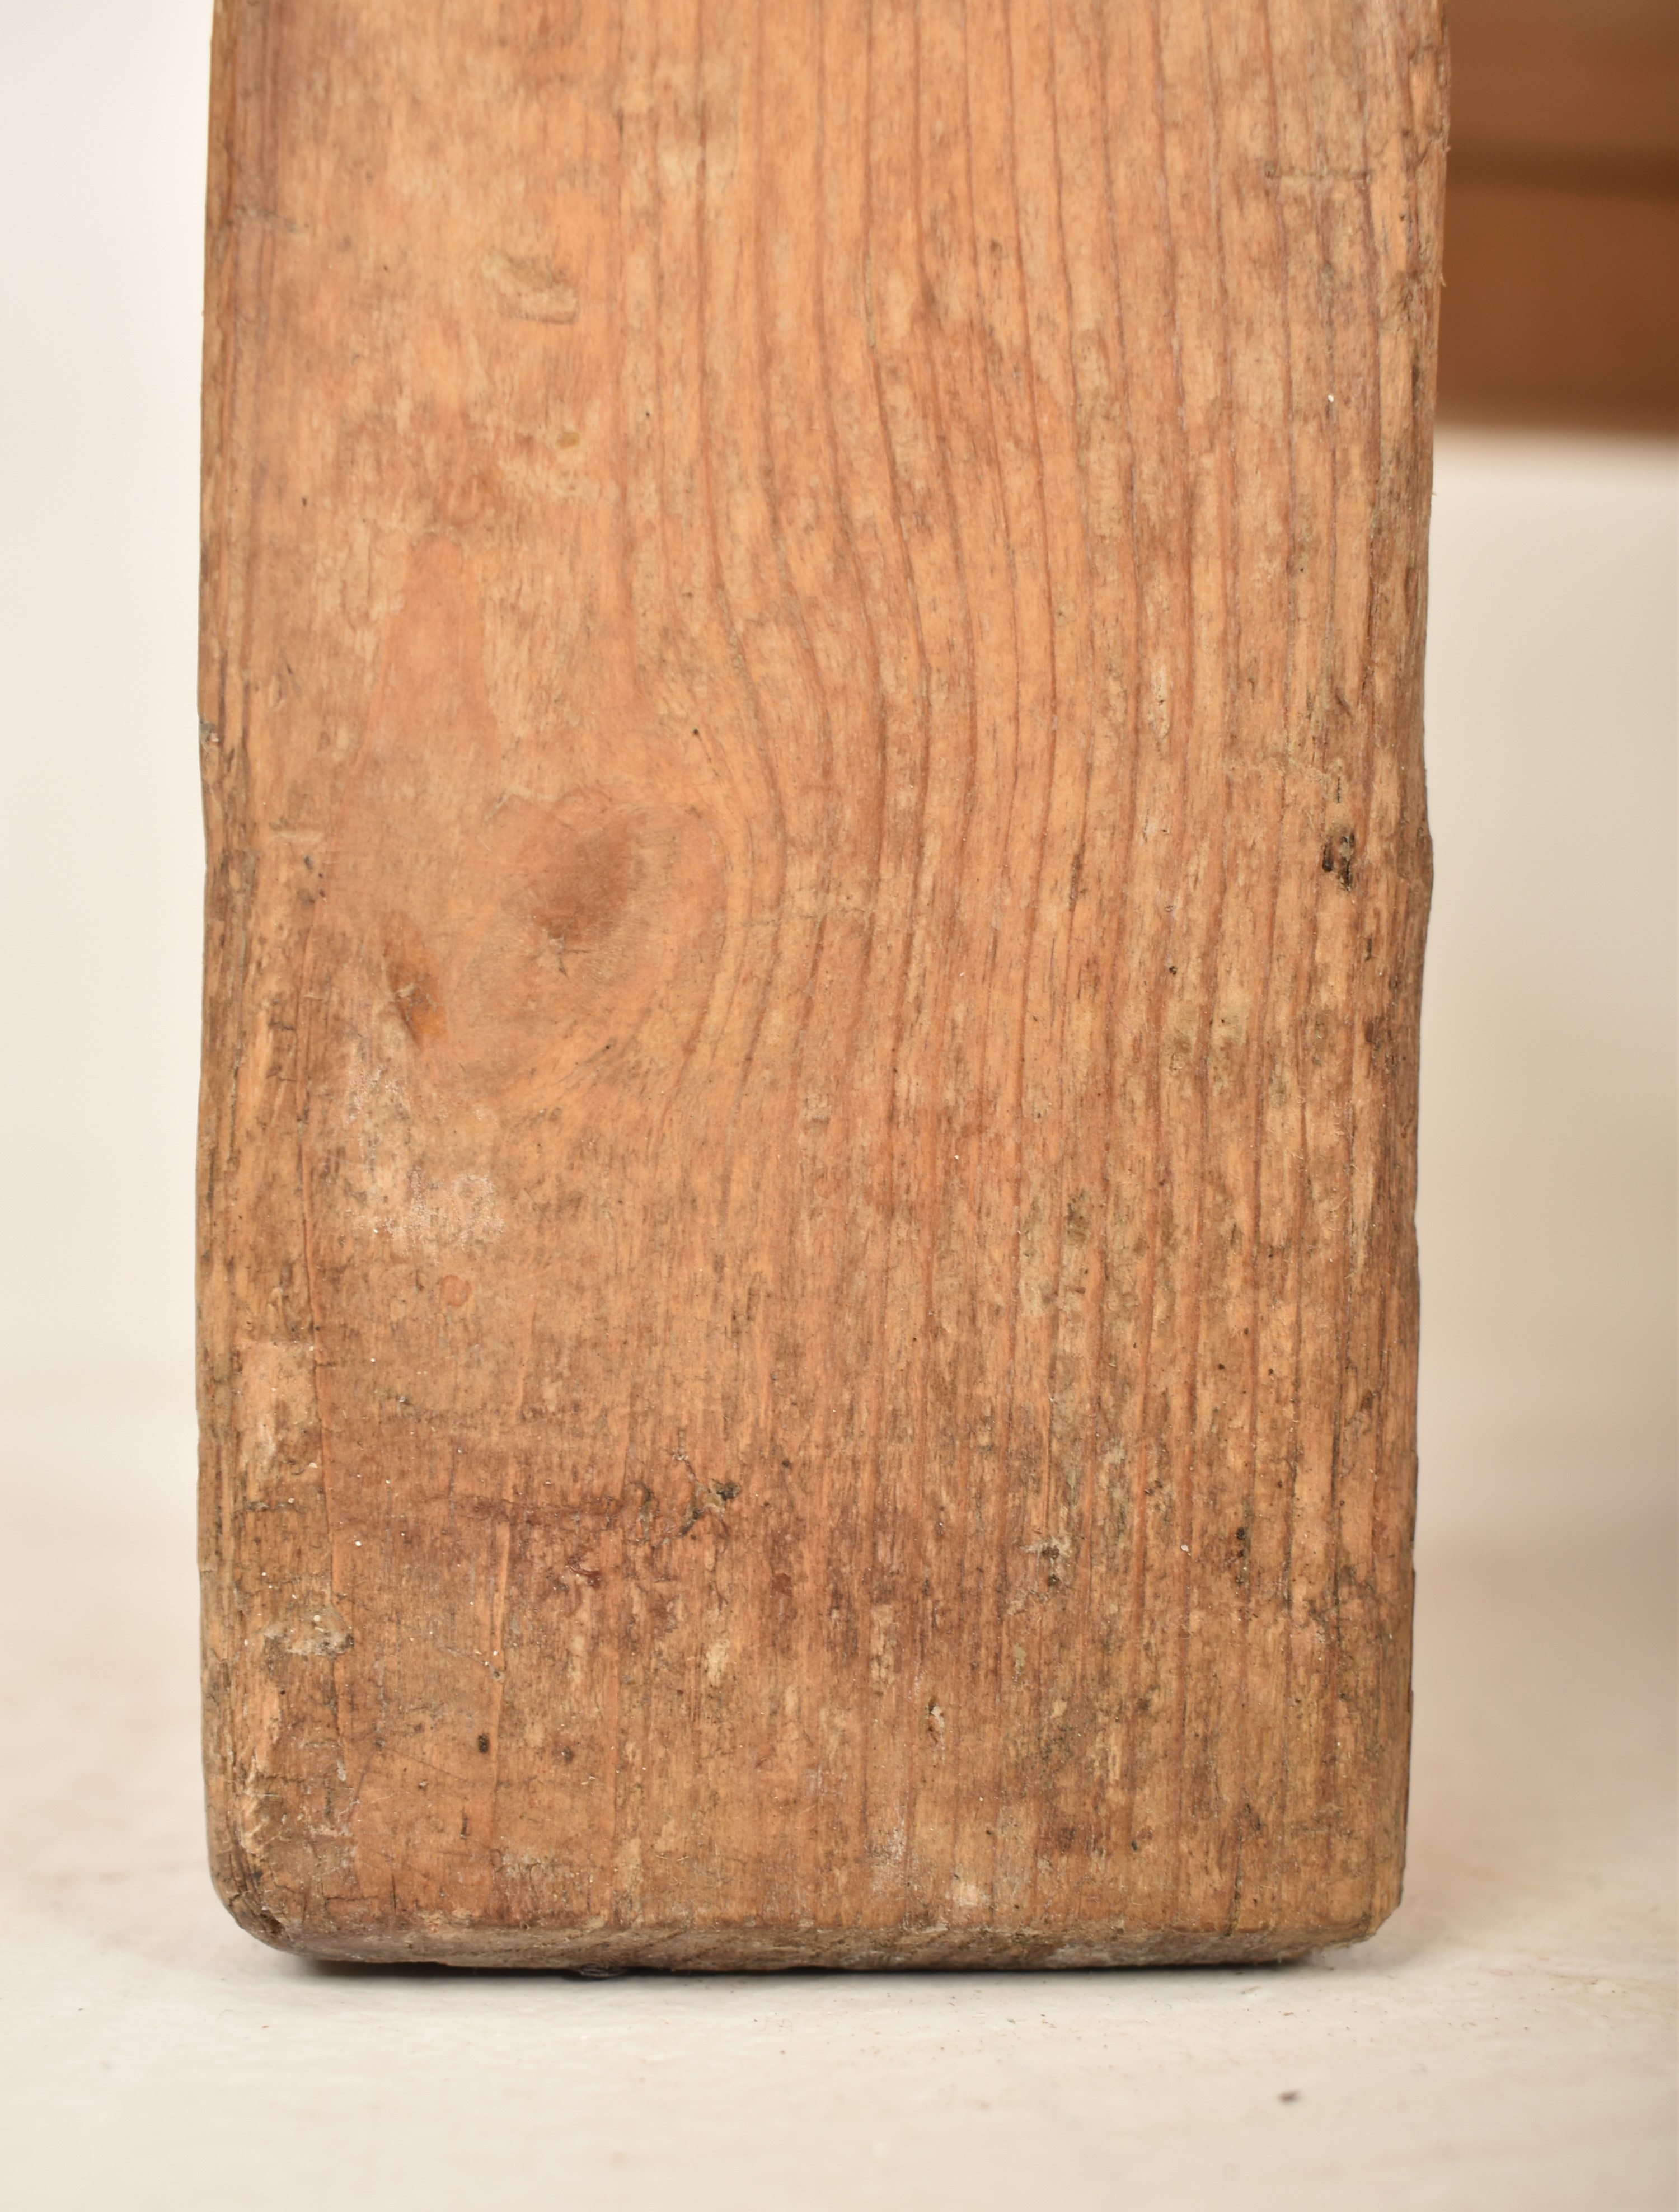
(812, 640)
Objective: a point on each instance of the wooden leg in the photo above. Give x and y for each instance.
(812, 641)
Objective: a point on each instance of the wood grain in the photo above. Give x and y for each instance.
(811, 718)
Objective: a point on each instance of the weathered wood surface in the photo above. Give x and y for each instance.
(812, 642)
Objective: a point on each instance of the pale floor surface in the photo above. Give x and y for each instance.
(1507, 2040)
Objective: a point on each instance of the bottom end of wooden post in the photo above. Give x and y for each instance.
(603, 1952)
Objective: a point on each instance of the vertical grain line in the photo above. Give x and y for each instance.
(1051, 758)
(1132, 930)
(933, 1146)
(1085, 1570)
(1262, 1045)
(924, 698)
(964, 1462)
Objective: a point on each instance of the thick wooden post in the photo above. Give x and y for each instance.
(812, 640)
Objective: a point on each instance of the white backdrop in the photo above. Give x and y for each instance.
(1549, 1258)
(1548, 1186)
